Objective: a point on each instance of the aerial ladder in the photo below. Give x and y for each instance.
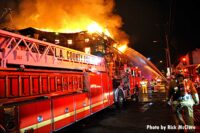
(27, 64)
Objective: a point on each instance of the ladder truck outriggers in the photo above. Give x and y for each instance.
(45, 87)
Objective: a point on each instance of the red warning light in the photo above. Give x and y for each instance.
(184, 61)
(185, 70)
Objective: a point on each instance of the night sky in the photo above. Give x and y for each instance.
(148, 20)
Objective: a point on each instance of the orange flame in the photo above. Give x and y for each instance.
(122, 48)
(71, 16)
(94, 27)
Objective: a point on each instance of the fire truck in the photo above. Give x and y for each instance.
(45, 87)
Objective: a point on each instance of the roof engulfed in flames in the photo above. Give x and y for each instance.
(70, 16)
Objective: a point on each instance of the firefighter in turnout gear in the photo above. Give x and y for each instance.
(183, 95)
(143, 84)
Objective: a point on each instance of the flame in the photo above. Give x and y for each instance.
(70, 16)
(94, 27)
(115, 45)
(122, 48)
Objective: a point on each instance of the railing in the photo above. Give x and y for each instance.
(21, 50)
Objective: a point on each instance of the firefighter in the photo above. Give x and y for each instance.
(143, 84)
(183, 95)
(118, 93)
(152, 83)
(126, 83)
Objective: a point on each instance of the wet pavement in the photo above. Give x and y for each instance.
(150, 114)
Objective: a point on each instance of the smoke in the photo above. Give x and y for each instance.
(69, 16)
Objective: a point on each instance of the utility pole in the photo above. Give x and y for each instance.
(167, 37)
(168, 57)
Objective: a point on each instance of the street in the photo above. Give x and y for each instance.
(150, 114)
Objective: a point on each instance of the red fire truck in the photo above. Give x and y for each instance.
(45, 87)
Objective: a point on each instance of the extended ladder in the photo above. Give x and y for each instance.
(21, 50)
